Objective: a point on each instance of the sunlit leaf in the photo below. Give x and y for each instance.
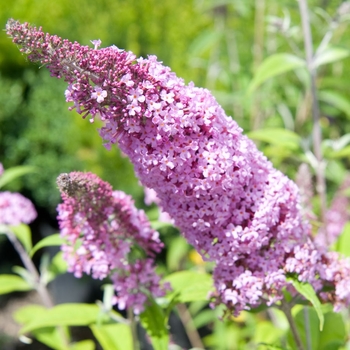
(84, 345)
(13, 283)
(177, 250)
(113, 336)
(275, 65)
(15, 172)
(335, 99)
(334, 332)
(278, 137)
(329, 55)
(189, 286)
(24, 235)
(154, 321)
(50, 336)
(61, 315)
(52, 240)
(306, 290)
(343, 243)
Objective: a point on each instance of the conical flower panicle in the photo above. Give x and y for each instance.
(224, 195)
(101, 227)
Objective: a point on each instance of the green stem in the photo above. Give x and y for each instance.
(286, 308)
(40, 287)
(317, 134)
(131, 318)
(191, 331)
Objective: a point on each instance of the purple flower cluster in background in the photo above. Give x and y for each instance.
(15, 208)
(107, 236)
(223, 194)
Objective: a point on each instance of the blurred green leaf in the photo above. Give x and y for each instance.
(12, 283)
(334, 332)
(335, 99)
(307, 326)
(27, 313)
(52, 240)
(177, 250)
(61, 315)
(189, 286)
(329, 55)
(154, 321)
(113, 336)
(343, 243)
(306, 290)
(279, 137)
(274, 65)
(51, 337)
(24, 235)
(15, 172)
(343, 153)
(84, 345)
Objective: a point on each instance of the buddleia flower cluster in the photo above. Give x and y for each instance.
(222, 193)
(106, 236)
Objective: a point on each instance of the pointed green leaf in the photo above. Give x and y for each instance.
(189, 286)
(52, 240)
(12, 283)
(25, 314)
(62, 315)
(336, 99)
(113, 336)
(276, 136)
(176, 253)
(24, 235)
(334, 331)
(51, 337)
(343, 242)
(306, 290)
(329, 55)
(154, 321)
(14, 172)
(83, 345)
(274, 65)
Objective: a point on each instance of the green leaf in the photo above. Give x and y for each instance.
(343, 153)
(279, 137)
(61, 315)
(176, 253)
(335, 99)
(306, 290)
(14, 172)
(51, 337)
(83, 345)
(343, 243)
(334, 331)
(154, 321)
(329, 55)
(26, 313)
(113, 336)
(306, 324)
(274, 65)
(12, 283)
(189, 286)
(52, 240)
(24, 235)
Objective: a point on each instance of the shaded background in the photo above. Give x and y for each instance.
(217, 44)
